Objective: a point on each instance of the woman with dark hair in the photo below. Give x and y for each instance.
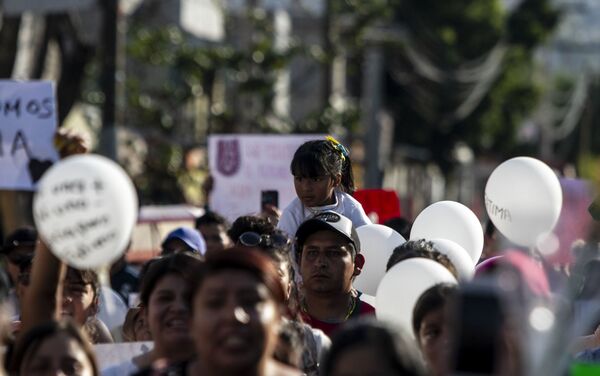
(56, 347)
(369, 347)
(165, 290)
(238, 303)
(430, 326)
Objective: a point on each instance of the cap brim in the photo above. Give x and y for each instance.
(313, 225)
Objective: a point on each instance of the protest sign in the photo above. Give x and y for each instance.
(27, 127)
(245, 165)
(111, 354)
(85, 210)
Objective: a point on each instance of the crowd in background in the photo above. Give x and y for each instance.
(272, 294)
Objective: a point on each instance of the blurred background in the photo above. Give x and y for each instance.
(429, 95)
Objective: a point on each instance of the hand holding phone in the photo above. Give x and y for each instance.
(269, 197)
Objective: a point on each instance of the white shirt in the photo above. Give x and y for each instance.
(346, 205)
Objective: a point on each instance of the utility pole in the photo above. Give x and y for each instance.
(328, 47)
(370, 108)
(108, 135)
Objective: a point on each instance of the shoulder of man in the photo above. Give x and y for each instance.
(364, 308)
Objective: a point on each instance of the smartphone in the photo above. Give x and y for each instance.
(270, 197)
(477, 338)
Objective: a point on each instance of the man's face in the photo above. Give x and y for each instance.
(433, 339)
(326, 263)
(175, 245)
(215, 236)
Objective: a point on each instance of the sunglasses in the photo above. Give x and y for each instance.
(19, 258)
(253, 239)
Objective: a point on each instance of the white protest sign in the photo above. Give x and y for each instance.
(85, 210)
(27, 127)
(245, 165)
(110, 354)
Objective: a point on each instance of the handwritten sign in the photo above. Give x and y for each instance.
(85, 209)
(27, 126)
(111, 354)
(245, 165)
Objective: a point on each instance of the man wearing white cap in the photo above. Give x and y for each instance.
(328, 253)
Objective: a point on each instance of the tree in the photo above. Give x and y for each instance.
(57, 29)
(465, 73)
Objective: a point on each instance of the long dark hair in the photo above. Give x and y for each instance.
(240, 258)
(185, 265)
(33, 339)
(390, 345)
(431, 300)
(324, 157)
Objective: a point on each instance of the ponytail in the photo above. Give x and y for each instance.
(347, 182)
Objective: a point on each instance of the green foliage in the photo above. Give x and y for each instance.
(350, 20)
(464, 28)
(532, 23)
(192, 71)
(449, 33)
(493, 125)
(452, 34)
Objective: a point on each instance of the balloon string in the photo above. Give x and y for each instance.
(104, 279)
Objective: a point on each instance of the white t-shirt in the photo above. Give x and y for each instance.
(346, 205)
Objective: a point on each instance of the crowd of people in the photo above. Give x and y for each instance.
(273, 294)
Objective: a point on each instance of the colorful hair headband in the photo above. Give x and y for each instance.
(339, 147)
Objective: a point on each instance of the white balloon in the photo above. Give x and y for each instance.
(112, 308)
(377, 243)
(85, 210)
(453, 221)
(402, 286)
(458, 256)
(523, 198)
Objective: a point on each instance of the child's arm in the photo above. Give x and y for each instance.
(287, 222)
(42, 301)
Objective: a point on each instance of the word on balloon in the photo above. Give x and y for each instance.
(497, 211)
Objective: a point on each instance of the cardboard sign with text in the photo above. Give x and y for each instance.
(243, 166)
(110, 354)
(27, 126)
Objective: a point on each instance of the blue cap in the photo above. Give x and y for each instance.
(189, 236)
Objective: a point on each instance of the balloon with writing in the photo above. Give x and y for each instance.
(453, 221)
(85, 210)
(377, 243)
(523, 198)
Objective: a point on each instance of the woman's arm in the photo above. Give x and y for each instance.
(44, 295)
(43, 299)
